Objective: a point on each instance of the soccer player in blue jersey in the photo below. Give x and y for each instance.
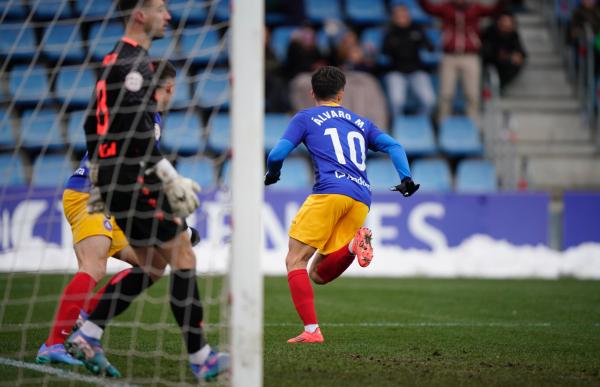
(95, 238)
(330, 220)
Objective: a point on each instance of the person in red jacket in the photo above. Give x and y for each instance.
(461, 44)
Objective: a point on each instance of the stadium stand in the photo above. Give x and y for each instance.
(382, 174)
(40, 129)
(476, 176)
(275, 126)
(12, 10)
(75, 86)
(183, 133)
(460, 137)
(28, 85)
(165, 47)
(7, 139)
(185, 12)
(50, 9)
(17, 43)
(317, 11)
(219, 139)
(200, 169)
(75, 134)
(296, 174)
(12, 171)
(51, 170)
(212, 89)
(183, 90)
(416, 134)
(280, 40)
(433, 174)
(94, 10)
(366, 11)
(103, 37)
(62, 42)
(203, 45)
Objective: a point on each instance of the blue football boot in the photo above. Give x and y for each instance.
(90, 352)
(216, 363)
(55, 354)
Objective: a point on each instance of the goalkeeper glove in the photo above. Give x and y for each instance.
(407, 187)
(181, 192)
(271, 178)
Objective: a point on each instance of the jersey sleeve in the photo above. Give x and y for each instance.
(296, 130)
(372, 132)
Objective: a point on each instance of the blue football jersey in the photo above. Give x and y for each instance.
(79, 180)
(337, 140)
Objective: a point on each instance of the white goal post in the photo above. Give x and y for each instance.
(247, 68)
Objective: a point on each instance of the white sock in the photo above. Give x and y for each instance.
(92, 330)
(200, 356)
(311, 328)
(350, 246)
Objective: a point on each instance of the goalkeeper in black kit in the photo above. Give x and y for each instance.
(136, 184)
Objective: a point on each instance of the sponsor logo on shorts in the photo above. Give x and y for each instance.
(358, 180)
(107, 224)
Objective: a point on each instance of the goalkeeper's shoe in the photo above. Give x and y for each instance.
(55, 354)
(90, 352)
(361, 245)
(307, 337)
(216, 363)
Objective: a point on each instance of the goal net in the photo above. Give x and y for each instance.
(50, 55)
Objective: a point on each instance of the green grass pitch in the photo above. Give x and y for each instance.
(378, 332)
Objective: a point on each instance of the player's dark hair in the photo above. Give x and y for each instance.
(126, 6)
(327, 82)
(164, 69)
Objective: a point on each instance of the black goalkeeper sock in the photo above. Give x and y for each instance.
(187, 309)
(119, 295)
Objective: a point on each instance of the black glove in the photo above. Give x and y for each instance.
(271, 178)
(407, 187)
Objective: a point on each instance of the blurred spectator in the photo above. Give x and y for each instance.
(402, 43)
(349, 55)
(303, 54)
(502, 48)
(276, 91)
(586, 14)
(461, 44)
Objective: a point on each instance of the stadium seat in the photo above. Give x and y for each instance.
(296, 174)
(7, 139)
(280, 40)
(183, 90)
(317, 11)
(417, 14)
(203, 45)
(75, 86)
(219, 139)
(223, 10)
(366, 11)
(433, 174)
(201, 170)
(12, 9)
(182, 133)
(17, 42)
(96, 10)
(104, 37)
(75, 131)
(460, 137)
(212, 89)
(165, 48)
(476, 176)
(225, 175)
(51, 9)
(382, 174)
(63, 41)
(415, 133)
(188, 11)
(51, 171)
(28, 86)
(275, 125)
(12, 171)
(41, 130)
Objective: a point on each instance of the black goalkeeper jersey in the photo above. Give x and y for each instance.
(120, 128)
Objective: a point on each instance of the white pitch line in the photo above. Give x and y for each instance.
(63, 374)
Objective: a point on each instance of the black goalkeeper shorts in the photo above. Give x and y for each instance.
(143, 212)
